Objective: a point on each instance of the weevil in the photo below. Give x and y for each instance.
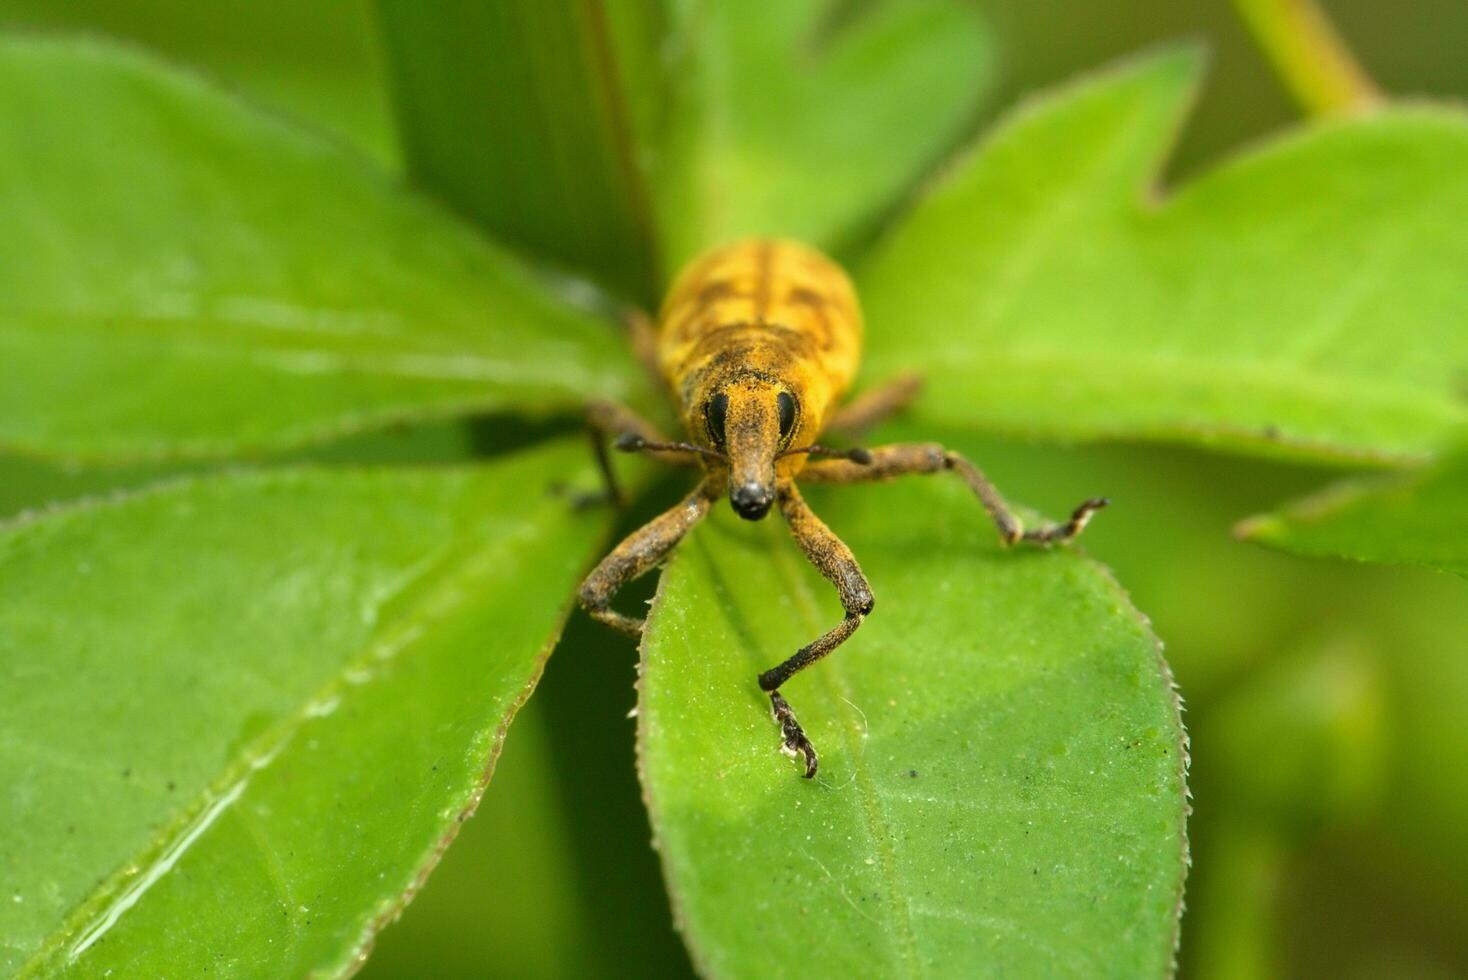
(758, 342)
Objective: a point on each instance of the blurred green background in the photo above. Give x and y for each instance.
(1325, 701)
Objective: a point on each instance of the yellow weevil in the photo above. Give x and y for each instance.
(759, 341)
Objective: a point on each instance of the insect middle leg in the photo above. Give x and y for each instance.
(836, 562)
(929, 457)
(639, 552)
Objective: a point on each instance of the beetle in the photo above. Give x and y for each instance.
(758, 342)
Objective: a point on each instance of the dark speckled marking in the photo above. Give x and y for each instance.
(765, 264)
(816, 303)
(715, 290)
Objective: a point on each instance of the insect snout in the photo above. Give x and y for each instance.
(751, 499)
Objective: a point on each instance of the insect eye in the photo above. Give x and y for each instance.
(716, 413)
(786, 405)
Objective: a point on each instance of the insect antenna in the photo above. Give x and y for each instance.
(631, 442)
(856, 455)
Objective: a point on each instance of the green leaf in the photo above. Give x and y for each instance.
(1421, 519)
(181, 275)
(506, 900)
(319, 61)
(1306, 297)
(33, 483)
(244, 715)
(530, 117)
(807, 118)
(1001, 791)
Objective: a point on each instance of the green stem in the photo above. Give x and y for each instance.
(1309, 54)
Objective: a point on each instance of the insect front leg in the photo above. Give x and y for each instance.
(836, 562)
(929, 457)
(641, 550)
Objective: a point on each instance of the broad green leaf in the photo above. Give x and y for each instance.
(244, 715)
(1001, 790)
(505, 902)
(317, 60)
(29, 483)
(181, 275)
(807, 118)
(1421, 519)
(531, 118)
(1306, 297)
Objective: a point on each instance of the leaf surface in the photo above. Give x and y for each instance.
(1306, 297)
(1420, 519)
(243, 715)
(531, 118)
(318, 61)
(1001, 790)
(181, 276)
(807, 118)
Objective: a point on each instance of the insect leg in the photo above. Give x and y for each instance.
(640, 551)
(929, 457)
(871, 407)
(835, 561)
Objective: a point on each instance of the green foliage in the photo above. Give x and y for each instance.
(244, 715)
(807, 118)
(186, 276)
(505, 903)
(316, 61)
(1002, 780)
(1306, 298)
(524, 114)
(611, 145)
(1420, 519)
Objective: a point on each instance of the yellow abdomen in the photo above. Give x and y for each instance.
(769, 307)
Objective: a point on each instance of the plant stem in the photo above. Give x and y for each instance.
(1309, 54)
